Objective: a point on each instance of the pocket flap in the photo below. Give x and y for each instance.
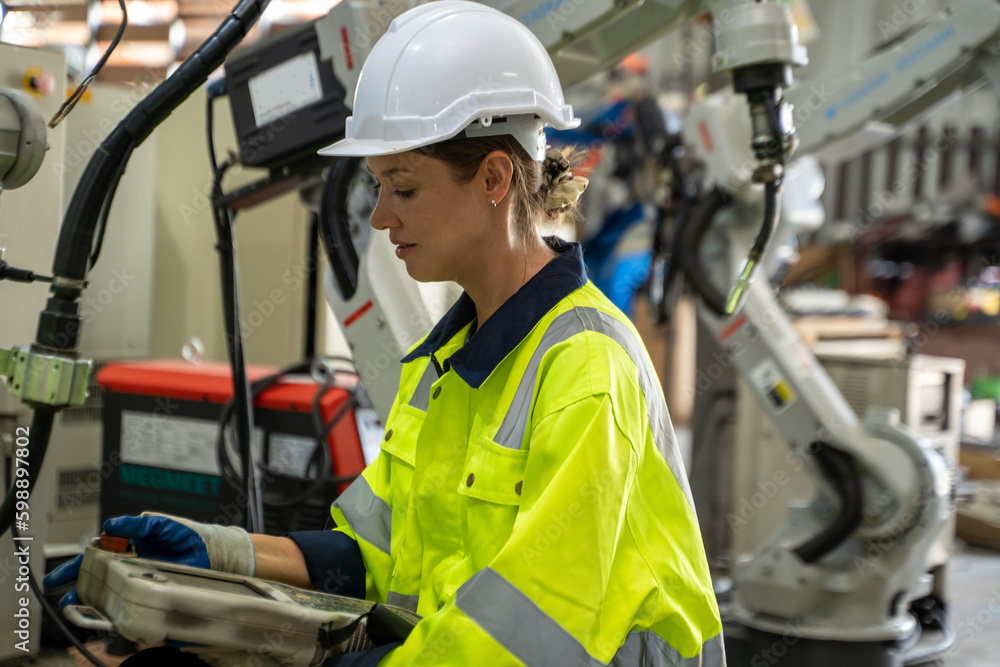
(401, 441)
(493, 473)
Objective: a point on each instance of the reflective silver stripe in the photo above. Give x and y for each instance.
(408, 602)
(517, 623)
(421, 398)
(511, 433)
(649, 649)
(536, 639)
(515, 422)
(369, 516)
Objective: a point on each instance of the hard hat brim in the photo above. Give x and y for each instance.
(369, 148)
(351, 147)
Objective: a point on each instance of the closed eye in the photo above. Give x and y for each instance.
(402, 194)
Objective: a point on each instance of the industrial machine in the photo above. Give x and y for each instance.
(876, 484)
(165, 445)
(846, 566)
(236, 618)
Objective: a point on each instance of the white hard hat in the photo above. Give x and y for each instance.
(450, 66)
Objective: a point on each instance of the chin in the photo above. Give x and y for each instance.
(420, 274)
(429, 276)
(430, 270)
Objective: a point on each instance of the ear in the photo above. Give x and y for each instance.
(495, 173)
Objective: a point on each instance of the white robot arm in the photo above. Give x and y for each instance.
(879, 487)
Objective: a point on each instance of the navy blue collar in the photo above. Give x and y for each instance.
(509, 325)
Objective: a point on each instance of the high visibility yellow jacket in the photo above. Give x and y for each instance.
(529, 500)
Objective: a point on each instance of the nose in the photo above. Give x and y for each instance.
(383, 217)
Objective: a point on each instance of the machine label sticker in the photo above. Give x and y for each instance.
(170, 480)
(290, 454)
(176, 443)
(772, 386)
(285, 88)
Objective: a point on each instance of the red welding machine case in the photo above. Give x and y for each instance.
(161, 424)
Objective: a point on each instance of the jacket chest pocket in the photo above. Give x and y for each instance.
(400, 445)
(490, 487)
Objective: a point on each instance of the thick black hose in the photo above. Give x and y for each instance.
(76, 235)
(312, 292)
(756, 255)
(320, 455)
(102, 220)
(662, 311)
(839, 470)
(768, 224)
(229, 473)
(689, 251)
(334, 227)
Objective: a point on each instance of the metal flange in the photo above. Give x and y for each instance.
(45, 379)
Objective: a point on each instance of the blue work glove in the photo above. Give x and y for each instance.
(369, 658)
(173, 540)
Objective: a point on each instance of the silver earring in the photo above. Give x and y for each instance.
(494, 203)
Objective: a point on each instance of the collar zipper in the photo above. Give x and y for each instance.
(437, 367)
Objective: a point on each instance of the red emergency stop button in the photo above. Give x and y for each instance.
(117, 544)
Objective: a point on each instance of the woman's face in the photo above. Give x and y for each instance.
(438, 225)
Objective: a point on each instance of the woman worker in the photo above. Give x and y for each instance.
(529, 501)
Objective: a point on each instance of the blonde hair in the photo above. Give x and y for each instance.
(540, 191)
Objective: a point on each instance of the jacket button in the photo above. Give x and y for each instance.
(517, 488)
(472, 478)
(437, 392)
(388, 434)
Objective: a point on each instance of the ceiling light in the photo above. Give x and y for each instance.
(177, 36)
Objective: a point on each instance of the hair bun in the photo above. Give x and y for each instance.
(560, 187)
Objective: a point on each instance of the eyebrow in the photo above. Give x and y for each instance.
(389, 172)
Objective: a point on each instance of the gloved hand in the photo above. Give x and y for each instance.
(171, 539)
